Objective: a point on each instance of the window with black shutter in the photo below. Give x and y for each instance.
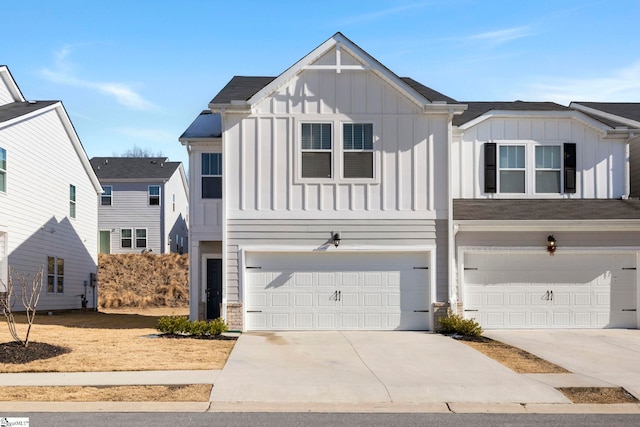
(490, 182)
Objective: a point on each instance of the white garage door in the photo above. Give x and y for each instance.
(537, 290)
(337, 291)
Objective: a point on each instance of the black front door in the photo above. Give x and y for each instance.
(214, 288)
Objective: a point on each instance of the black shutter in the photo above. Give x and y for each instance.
(569, 167)
(490, 169)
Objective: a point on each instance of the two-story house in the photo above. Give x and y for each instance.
(338, 195)
(144, 205)
(48, 214)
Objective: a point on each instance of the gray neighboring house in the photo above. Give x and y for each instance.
(144, 207)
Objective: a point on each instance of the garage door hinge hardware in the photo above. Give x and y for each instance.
(628, 309)
(253, 267)
(420, 311)
(471, 310)
(254, 311)
(629, 268)
(420, 268)
(471, 268)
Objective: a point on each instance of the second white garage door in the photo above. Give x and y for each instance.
(536, 290)
(337, 291)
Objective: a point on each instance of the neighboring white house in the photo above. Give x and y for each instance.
(144, 206)
(338, 195)
(48, 214)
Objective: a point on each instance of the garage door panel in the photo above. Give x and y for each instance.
(572, 290)
(348, 291)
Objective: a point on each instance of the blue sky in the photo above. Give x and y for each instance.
(138, 72)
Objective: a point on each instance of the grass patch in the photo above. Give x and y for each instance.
(601, 395)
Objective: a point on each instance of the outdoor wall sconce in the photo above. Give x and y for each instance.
(335, 237)
(551, 245)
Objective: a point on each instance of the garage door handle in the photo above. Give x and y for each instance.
(420, 311)
(471, 310)
(629, 309)
(254, 311)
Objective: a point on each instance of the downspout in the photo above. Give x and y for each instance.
(223, 243)
(627, 166)
(450, 232)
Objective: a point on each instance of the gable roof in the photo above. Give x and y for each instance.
(629, 110)
(133, 168)
(18, 109)
(477, 109)
(9, 82)
(246, 91)
(206, 125)
(545, 209)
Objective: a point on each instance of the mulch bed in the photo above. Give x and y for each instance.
(15, 353)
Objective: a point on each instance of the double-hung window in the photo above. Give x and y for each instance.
(548, 168)
(211, 175)
(107, 195)
(55, 275)
(3, 170)
(316, 147)
(126, 238)
(141, 237)
(512, 170)
(154, 195)
(72, 201)
(358, 150)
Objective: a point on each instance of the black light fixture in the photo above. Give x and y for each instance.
(335, 236)
(551, 244)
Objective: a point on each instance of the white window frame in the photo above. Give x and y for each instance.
(108, 196)
(358, 150)
(131, 237)
(73, 196)
(149, 195)
(3, 169)
(211, 175)
(501, 169)
(330, 151)
(55, 277)
(558, 169)
(146, 238)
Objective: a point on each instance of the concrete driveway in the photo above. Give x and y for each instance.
(595, 357)
(369, 367)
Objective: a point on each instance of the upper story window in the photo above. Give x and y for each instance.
(316, 146)
(211, 175)
(529, 168)
(72, 201)
(154, 195)
(106, 198)
(173, 201)
(55, 275)
(3, 170)
(358, 150)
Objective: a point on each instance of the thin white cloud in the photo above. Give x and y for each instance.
(64, 74)
(381, 14)
(500, 36)
(621, 85)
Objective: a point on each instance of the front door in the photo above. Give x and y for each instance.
(214, 287)
(105, 242)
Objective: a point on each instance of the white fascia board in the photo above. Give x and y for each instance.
(546, 225)
(605, 115)
(10, 83)
(576, 115)
(274, 247)
(198, 141)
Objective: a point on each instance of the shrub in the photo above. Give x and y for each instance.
(182, 325)
(455, 324)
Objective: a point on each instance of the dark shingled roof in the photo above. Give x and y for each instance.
(151, 168)
(241, 88)
(17, 109)
(477, 109)
(206, 125)
(629, 110)
(545, 209)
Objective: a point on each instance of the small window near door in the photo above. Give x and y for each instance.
(126, 238)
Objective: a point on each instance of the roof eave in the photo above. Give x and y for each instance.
(548, 225)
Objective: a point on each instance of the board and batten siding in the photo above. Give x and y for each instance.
(600, 162)
(634, 169)
(130, 209)
(205, 215)
(41, 164)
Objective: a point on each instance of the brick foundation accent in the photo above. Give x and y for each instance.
(442, 309)
(234, 316)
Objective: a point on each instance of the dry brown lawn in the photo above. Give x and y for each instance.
(598, 395)
(116, 340)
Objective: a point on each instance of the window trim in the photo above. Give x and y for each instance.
(146, 238)
(149, 195)
(128, 238)
(330, 151)
(358, 150)
(109, 196)
(536, 169)
(73, 201)
(211, 175)
(501, 169)
(3, 170)
(57, 278)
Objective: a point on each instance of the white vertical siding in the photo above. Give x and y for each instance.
(205, 219)
(41, 164)
(175, 218)
(600, 162)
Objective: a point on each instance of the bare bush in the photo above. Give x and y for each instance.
(30, 289)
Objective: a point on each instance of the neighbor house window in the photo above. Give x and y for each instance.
(211, 175)
(3, 170)
(106, 197)
(72, 201)
(316, 147)
(511, 165)
(358, 150)
(173, 201)
(154, 195)
(141, 237)
(548, 168)
(55, 275)
(126, 238)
